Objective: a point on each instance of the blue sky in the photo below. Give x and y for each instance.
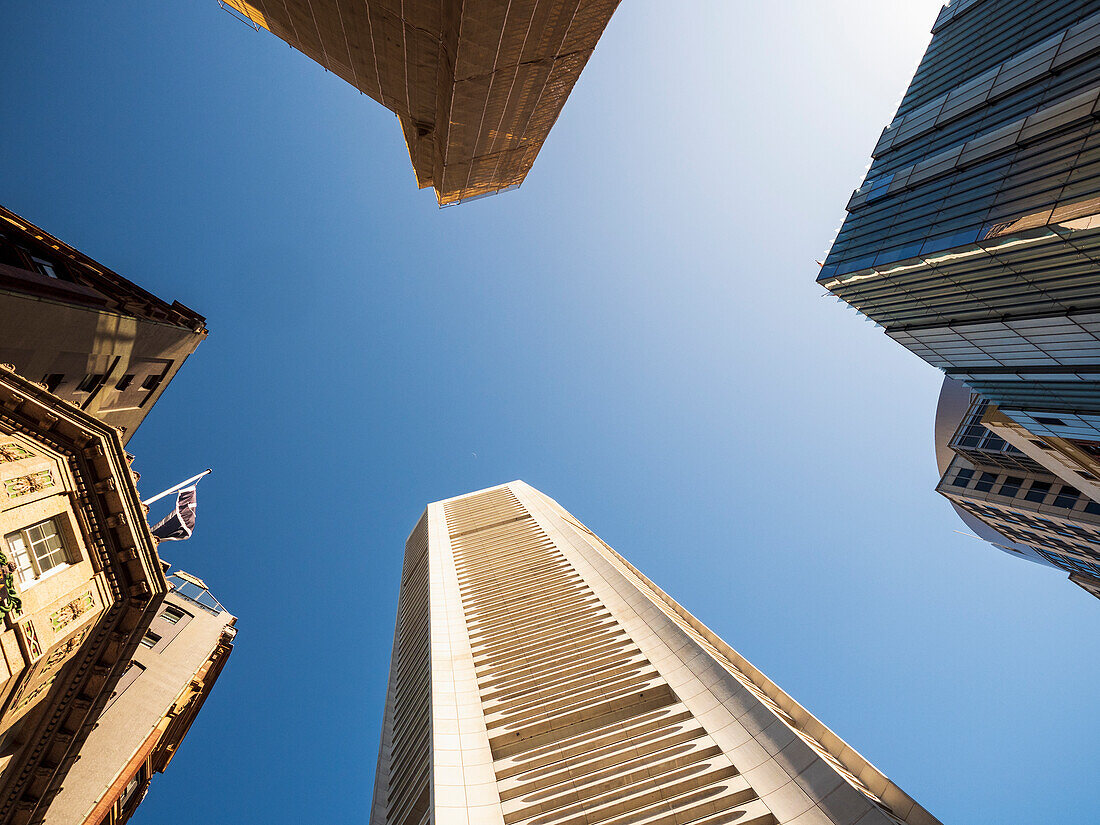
(636, 332)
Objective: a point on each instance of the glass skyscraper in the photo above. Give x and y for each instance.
(975, 238)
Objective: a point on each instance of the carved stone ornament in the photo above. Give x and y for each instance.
(11, 451)
(67, 614)
(30, 639)
(29, 484)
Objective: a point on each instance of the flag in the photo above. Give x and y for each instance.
(180, 523)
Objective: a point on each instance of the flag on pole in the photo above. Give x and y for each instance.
(180, 523)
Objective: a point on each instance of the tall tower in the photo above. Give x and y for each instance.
(476, 84)
(538, 679)
(975, 238)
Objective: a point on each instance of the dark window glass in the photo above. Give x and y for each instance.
(124, 382)
(150, 639)
(1042, 445)
(151, 383)
(1049, 422)
(994, 443)
(47, 268)
(53, 381)
(91, 382)
(1011, 486)
(1067, 497)
(172, 614)
(1092, 508)
(1038, 491)
(985, 482)
(962, 479)
(9, 254)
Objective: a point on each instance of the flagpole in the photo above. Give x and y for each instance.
(179, 486)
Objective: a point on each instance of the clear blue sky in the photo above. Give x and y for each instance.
(636, 332)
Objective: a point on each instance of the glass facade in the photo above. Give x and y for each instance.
(975, 237)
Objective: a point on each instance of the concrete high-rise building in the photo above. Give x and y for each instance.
(92, 337)
(476, 84)
(1029, 504)
(151, 709)
(538, 678)
(975, 238)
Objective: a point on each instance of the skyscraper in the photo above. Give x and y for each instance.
(537, 678)
(476, 84)
(91, 336)
(975, 237)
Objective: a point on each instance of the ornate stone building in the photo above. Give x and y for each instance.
(476, 84)
(81, 584)
(537, 678)
(151, 709)
(91, 336)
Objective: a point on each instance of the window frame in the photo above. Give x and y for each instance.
(68, 553)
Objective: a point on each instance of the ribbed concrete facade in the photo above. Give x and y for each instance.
(476, 84)
(538, 679)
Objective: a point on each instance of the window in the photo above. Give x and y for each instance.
(172, 614)
(37, 549)
(132, 787)
(1090, 447)
(962, 479)
(1092, 508)
(1049, 422)
(1038, 491)
(1067, 497)
(1011, 486)
(985, 482)
(91, 382)
(9, 255)
(124, 382)
(1042, 445)
(53, 381)
(47, 268)
(150, 639)
(151, 383)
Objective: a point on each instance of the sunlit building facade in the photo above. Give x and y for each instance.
(538, 678)
(80, 583)
(89, 335)
(152, 708)
(1007, 497)
(974, 239)
(476, 85)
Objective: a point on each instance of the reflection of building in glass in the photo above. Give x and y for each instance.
(151, 709)
(80, 582)
(476, 85)
(538, 678)
(975, 237)
(92, 337)
(1008, 498)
